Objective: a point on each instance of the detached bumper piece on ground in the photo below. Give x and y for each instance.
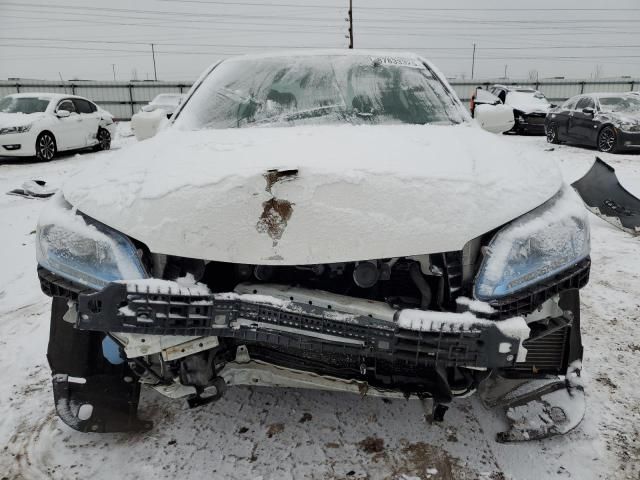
(605, 197)
(261, 334)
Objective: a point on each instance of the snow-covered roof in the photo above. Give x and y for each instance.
(515, 87)
(328, 51)
(608, 94)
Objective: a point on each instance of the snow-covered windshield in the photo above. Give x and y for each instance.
(23, 104)
(527, 97)
(626, 103)
(319, 89)
(166, 99)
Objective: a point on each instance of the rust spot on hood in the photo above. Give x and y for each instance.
(275, 212)
(273, 220)
(274, 176)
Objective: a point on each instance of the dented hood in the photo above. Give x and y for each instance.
(317, 194)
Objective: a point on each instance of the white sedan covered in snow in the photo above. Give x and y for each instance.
(337, 221)
(43, 124)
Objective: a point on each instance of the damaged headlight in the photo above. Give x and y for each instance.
(537, 245)
(84, 250)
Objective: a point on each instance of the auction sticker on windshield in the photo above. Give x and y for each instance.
(397, 61)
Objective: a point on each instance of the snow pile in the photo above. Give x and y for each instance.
(187, 286)
(432, 321)
(475, 305)
(254, 298)
(156, 285)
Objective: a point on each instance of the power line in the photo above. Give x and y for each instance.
(434, 9)
(254, 4)
(76, 40)
(183, 44)
(64, 47)
(235, 15)
(173, 14)
(174, 24)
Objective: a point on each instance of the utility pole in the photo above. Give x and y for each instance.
(113, 67)
(473, 61)
(153, 53)
(350, 23)
(505, 71)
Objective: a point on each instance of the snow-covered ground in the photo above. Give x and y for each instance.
(279, 434)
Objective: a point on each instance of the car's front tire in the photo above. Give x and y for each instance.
(104, 140)
(552, 134)
(46, 147)
(608, 140)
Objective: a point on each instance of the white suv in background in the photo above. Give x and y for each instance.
(42, 124)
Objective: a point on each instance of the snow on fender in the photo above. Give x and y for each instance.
(147, 124)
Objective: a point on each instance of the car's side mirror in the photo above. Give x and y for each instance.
(494, 118)
(588, 110)
(63, 113)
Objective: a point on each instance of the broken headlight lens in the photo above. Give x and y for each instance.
(83, 250)
(537, 245)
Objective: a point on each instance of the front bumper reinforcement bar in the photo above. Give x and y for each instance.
(125, 308)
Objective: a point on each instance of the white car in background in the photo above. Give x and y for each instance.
(530, 107)
(167, 102)
(43, 124)
(154, 115)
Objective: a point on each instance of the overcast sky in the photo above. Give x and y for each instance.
(89, 39)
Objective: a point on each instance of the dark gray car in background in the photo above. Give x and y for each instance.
(608, 121)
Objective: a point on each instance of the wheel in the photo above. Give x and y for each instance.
(46, 146)
(552, 134)
(104, 140)
(607, 140)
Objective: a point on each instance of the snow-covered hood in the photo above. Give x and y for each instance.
(318, 194)
(525, 107)
(18, 119)
(630, 118)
